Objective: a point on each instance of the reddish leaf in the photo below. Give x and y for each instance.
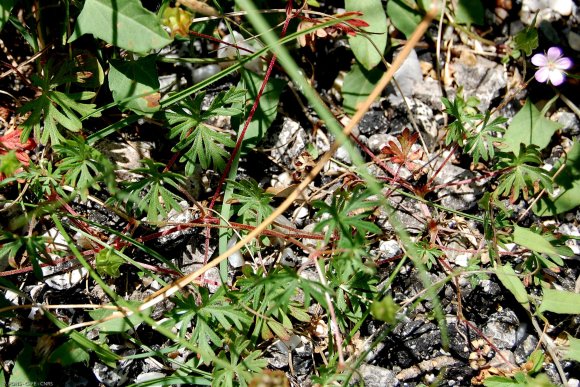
(11, 141)
(404, 154)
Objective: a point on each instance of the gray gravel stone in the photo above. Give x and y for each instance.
(484, 80)
(374, 376)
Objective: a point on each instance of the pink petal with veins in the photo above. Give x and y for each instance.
(556, 77)
(539, 60)
(563, 63)
(554, 53)
(542, 74)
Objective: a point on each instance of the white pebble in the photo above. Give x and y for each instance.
(563, 7)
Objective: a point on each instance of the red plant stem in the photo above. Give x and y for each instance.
(294, 234)
(380, 163)
(289, 16)
(451, 153)
(486, 175)
(489, 342)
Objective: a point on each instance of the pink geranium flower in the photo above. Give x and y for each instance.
(551, 66)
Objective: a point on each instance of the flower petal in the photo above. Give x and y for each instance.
(563, 63)
(557, 77)
(539, 60)
(554, 53)
(542, 74)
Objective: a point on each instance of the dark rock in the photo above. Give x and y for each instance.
(525, 348)
(419, 337)
(458, 333)
(373, 122)
(459, 197)
(482, 300)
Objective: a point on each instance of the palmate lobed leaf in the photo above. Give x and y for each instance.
(347, 213)
(197, 141)
(149, 194)
(210, 317)
(481, 144)
(83, 166)
(54, 109)
(255, 203)
(520, 176)
(241, 365)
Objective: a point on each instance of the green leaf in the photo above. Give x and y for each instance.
(573, 350)
(520, 176)
(560, 301)
(469, 12)
(5, 9)
(403, 17)
(358, 84)
(529, 127)
(499, 381)
(9, 163)
(242, 365)
(466, 117)
(68, 354)
(135, 85)
(385, 309)
(568, 181)
(108, 262)
(124, 24)
(348, 211)
(527, 39)
(369, 49)
(267, 107)
(510, 280)
(53, 109)
(209, 317)
(198, 141)
(534, 241)
(27, 371)
(481, 144)
(117, 325)
(537, 360)
(151, 194)
(102, 350)
(255, 203)
(83, 166)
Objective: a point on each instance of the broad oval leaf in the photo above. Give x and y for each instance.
(573, 350)
(369, 49)
(529, 127)
(358, 84)
(135, 85)
(533, 241)
(567, 197)
(469, 12)
(403, 17)
(124, 24)
(510, 280)
(560, 301)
